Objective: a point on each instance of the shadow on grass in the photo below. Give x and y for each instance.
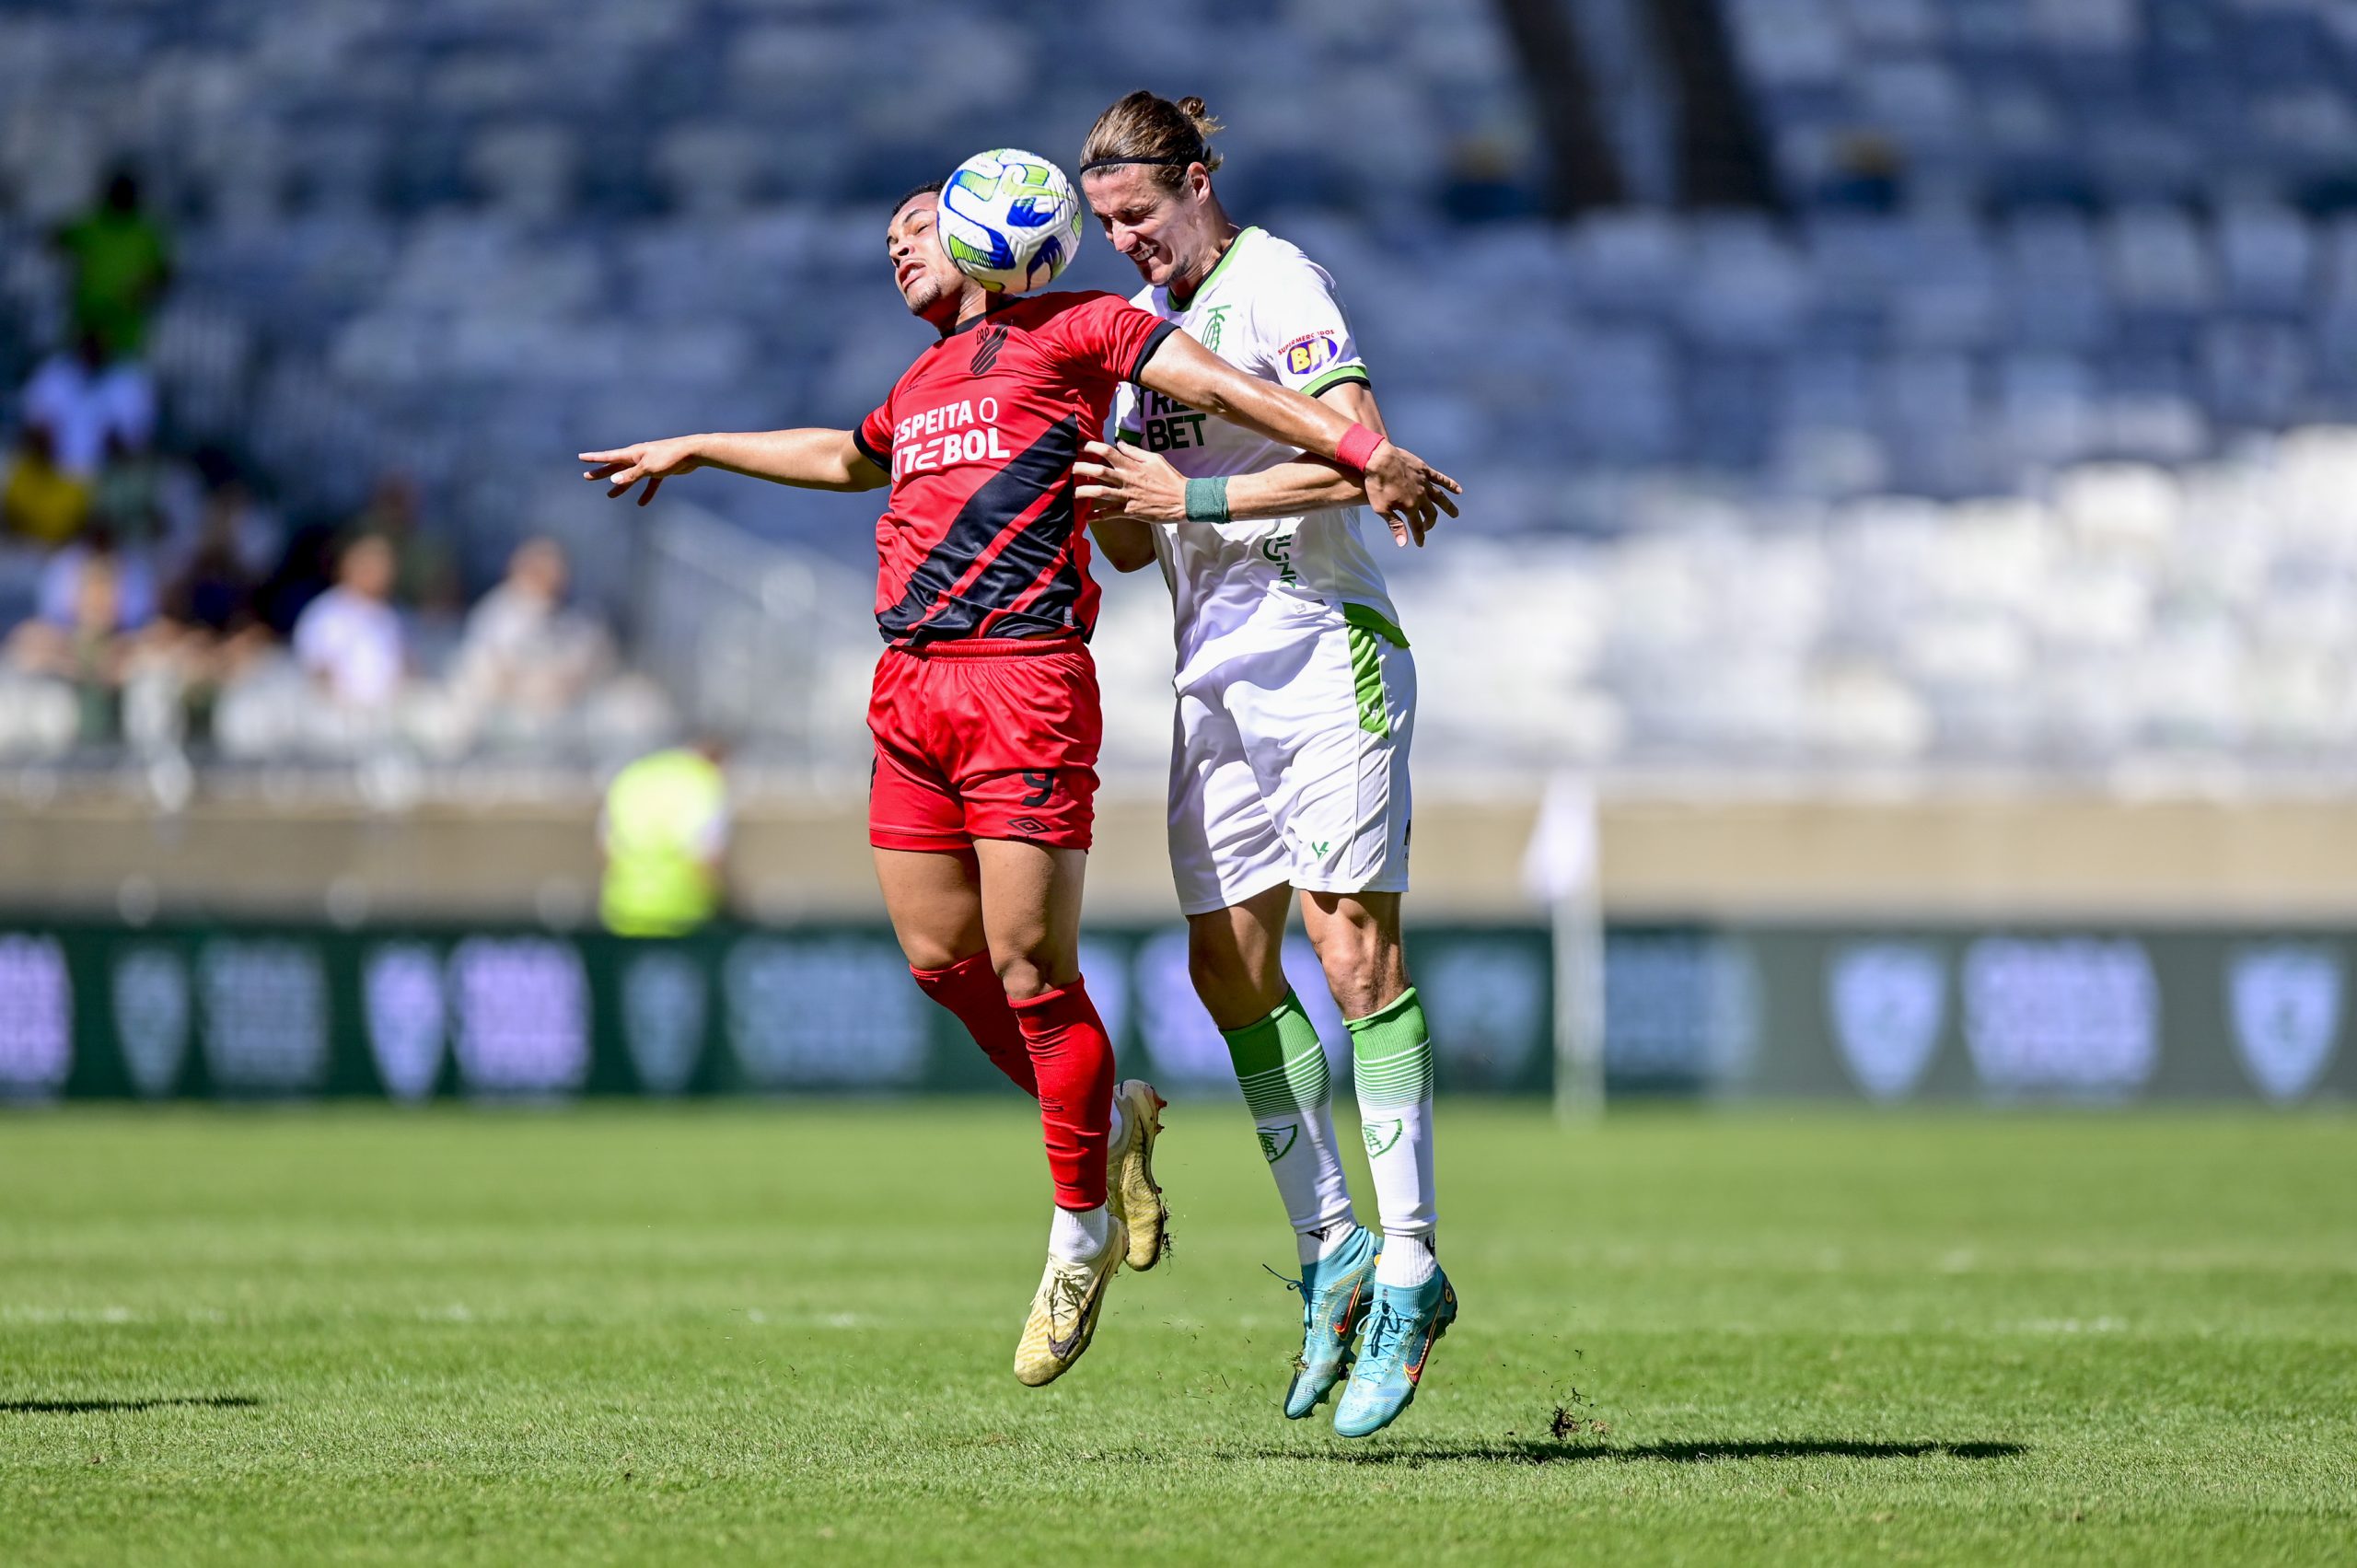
(1534, 1451)
(96, 1407)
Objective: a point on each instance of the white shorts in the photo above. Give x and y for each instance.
(1290, 764)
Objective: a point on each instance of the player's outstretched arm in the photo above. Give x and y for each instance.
(807, 458)
(1129, 484)
(1401, 486)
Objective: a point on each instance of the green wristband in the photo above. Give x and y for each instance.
(1207, 500)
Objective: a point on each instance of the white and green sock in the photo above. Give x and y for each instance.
(1282, 1069)
(1391, 1060)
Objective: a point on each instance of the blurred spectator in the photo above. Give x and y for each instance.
(39, 501)
(121, 264)
(213, 592)
(305, 569)
(350, 638)
(78, 411)
(210, 634)
(225, 515)
(664, 833)
(426, 573)
(1481, 185)
(91, 652)
(1867, 174)
(524, 648)
(63, 580)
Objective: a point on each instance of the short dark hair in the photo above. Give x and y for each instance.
(930, 187)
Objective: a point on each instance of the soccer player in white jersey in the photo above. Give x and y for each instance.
(1289, 766)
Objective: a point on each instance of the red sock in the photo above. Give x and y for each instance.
(1074, 1062)
(970, 989)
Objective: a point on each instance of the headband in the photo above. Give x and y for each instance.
(1178, 159)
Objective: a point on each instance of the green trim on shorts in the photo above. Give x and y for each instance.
(1368, 618)
(1367, 681)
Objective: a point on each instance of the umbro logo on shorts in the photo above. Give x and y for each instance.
(1026, 825)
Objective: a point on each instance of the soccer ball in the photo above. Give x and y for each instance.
(1009, 219)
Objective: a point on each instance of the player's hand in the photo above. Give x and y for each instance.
(1125, 481)
(1409, 492)
(653, 462)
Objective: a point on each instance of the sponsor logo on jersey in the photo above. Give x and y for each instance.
(1886, 999)
(1312, 351)
(1170, 425)
(1277, 549)
(2286, 999)
(961, 432)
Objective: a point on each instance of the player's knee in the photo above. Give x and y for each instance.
(929, 952)
(1035, 971)
(1230, 988)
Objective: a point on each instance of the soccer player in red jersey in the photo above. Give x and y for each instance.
(985, 709)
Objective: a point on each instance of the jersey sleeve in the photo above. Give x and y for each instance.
(1108, 333)
(1127, 422)
(873, 437)
(1304, 339)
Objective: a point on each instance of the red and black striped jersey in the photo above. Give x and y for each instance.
(982, 536)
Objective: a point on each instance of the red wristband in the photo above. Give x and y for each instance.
(1357, 446)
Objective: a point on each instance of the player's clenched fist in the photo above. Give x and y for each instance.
(653, 462)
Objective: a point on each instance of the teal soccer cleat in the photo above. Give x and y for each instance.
(1334, 1296)
(1402, 1328)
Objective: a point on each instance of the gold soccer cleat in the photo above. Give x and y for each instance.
(1135, 1198)
(1063, 1315)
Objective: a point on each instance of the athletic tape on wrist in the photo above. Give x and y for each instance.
(1357, 446)
(1207, 500)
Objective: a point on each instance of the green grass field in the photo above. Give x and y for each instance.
(770, 1334)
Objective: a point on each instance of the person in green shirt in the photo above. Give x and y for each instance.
(121, 264)
(665, 836)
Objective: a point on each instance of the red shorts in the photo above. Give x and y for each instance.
(984, 737)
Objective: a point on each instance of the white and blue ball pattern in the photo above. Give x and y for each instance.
(1010, 220)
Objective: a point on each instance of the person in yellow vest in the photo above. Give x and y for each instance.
(664, 833)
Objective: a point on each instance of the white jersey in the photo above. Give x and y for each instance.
(1240, 588)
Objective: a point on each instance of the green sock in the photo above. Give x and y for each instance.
(1391, 1059)
(1282, 1069)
